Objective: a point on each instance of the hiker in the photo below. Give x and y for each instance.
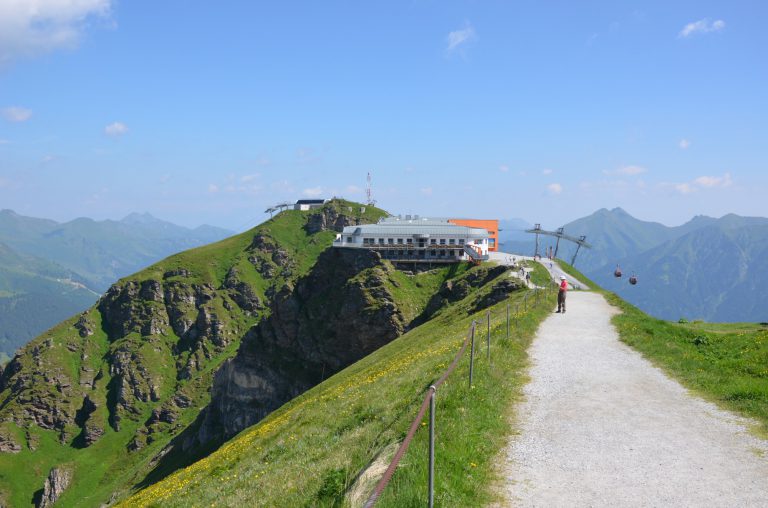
(561, 294)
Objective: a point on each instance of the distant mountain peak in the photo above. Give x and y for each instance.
(140, 218)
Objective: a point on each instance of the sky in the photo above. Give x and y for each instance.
(210, 112)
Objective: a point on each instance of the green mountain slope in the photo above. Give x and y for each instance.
(101, 251)
(716, 273)
(312, 450)
(51, 271)
(35, 294)
(102, 394)
(614, 234)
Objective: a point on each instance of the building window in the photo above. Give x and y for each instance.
(442, 241)
(433, 241)
(349, 239)
(391, 241)
(433, 253)
(461, 241)
(442, 253)
(381, 241)
(399, 241)
(451, 242)
(409, 241)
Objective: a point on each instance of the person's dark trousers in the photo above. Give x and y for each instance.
(561, 301)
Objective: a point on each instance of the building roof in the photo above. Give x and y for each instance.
(415, 228)
(310, 202)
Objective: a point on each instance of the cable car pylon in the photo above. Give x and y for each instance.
(580, 242)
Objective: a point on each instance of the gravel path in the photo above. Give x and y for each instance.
(600, 426)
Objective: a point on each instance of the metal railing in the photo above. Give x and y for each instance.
(430, 396)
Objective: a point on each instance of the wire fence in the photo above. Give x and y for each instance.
(538, 296)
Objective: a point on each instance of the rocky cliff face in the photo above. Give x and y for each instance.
(340, 312)
(140, 363)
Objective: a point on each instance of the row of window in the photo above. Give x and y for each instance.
(432, 253)
(408, 241)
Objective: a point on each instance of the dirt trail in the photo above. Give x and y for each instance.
(600, 426)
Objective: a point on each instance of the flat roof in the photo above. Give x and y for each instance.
(414, 228)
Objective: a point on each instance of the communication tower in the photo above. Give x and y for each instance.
(368, 194)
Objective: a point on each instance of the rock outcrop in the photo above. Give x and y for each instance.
(454, 290)
(331, 219)
(340, 312)
(57, 482)
(142, 360)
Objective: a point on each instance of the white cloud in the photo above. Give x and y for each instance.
(32, 27)
(427, 191)
(625, 170)
(714, 181)
(47, 159)
(684, 144)
(4, 142)
(312, 191)
(547, 172)
(701, 26)
(213, 188)
(353, 189)
(458, 38)
(165, 178)
(16, 114)
(702, 182)
(115, 129)
(555, 188)
(504, 168)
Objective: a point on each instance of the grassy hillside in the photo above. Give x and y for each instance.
(35, 294)
(102, 394)
(102, 251)
(299, 456)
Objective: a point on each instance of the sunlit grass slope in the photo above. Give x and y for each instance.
(110, 464)
(309, 452)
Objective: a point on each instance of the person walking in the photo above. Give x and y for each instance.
(561, 294)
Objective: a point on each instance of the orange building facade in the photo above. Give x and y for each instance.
(491, 225)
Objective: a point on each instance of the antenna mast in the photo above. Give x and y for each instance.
(370, 200)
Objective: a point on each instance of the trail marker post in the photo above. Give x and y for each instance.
(488, 336)
(472, 357)
(431, 486)
(507, 320)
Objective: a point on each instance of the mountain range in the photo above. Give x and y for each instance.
(50, 271)
(710, 269)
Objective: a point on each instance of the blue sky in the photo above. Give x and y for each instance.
(209, 112)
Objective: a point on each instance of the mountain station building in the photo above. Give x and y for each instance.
(415, 239)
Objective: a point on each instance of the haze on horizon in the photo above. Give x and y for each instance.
(210, 113)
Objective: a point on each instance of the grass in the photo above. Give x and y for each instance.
(570, 270)
(107, 466)
(299, 456)
(726, 363)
